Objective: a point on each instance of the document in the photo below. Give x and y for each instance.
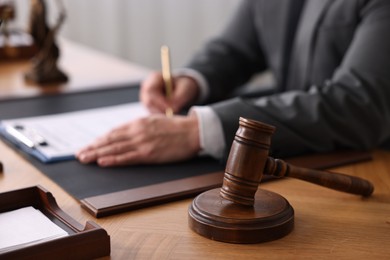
(58, 137)
(24, 227)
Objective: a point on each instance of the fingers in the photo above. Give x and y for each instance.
(152, 93)
(109, 155)
(128, 158)
(185, 93)
(115, 154)
(115, 142)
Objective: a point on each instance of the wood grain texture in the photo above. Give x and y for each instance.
(328, 223)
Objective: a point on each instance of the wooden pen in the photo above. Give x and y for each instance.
(166, 72)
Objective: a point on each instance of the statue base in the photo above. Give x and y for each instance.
(54, 76)
(270, 218)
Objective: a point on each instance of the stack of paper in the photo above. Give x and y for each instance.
(24, 227)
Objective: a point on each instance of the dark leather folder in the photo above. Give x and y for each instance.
(106, 191)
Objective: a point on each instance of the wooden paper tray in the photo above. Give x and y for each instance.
(84, 242)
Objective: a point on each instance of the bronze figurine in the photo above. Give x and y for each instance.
(44, 64)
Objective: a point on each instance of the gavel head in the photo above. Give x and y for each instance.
(247, 158)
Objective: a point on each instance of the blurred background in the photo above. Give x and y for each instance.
(135, 29)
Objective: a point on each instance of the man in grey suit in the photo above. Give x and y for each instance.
(331, 63)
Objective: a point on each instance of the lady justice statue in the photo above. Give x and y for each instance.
(44, 64)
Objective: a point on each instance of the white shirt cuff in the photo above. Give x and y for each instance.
(211, 137)
(200, 80)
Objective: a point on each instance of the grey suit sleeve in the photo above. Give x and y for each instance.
(231, 59)
(350, 110)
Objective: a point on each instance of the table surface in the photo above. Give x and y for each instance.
(328, 223)
(86, 68)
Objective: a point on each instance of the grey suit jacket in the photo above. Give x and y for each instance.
(334, 90)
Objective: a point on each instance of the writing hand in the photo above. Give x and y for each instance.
(152, 94)
(149, 140)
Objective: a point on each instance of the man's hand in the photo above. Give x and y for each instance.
(152, 94)
(149, 140)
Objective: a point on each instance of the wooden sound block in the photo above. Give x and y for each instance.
(271, 217)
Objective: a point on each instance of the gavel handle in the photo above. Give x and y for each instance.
(336, 181)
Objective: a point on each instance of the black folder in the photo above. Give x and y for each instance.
(157, 182)
(106, 191)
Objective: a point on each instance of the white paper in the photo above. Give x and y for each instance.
(66, 133)
(26, 226)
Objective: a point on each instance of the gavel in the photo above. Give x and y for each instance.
(248, 161)
(240, 212)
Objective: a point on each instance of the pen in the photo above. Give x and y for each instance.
(166, 72)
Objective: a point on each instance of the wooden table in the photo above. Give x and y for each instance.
(328, 224)
(86, 68)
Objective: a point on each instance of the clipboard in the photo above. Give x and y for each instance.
(83, 242)
(57, 137)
